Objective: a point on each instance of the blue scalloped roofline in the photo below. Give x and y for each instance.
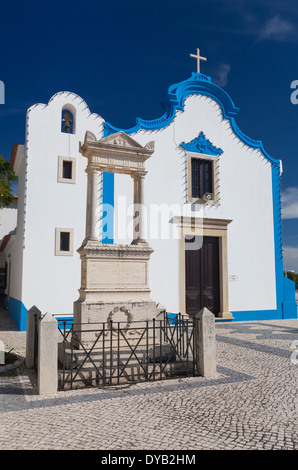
(197, 84)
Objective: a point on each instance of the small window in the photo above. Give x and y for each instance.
(66, 169)
(201, 177)
(67, 122)
(64, 241)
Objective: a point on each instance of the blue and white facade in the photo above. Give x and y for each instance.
(243, 211)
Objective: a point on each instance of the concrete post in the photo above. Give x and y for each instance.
(205, 343)
(47, 376)
(30, 335)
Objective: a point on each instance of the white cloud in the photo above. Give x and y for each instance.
(291, 258)
(276, 28)
(221, 77)
(289, 203)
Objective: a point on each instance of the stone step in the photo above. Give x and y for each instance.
(90, 377)
(68, 355)
(148, 364)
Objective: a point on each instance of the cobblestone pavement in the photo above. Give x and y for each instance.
(250, 405)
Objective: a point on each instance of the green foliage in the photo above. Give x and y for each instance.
(7, 176)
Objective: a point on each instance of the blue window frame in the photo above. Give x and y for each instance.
(67, 122)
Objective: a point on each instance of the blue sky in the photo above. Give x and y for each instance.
(122, 56)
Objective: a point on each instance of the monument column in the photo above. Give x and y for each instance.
(91, 204)
(139, 208)
(135, 209)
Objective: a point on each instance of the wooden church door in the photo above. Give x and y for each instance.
(202, 274)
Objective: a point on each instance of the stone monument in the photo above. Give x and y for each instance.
(114, 277)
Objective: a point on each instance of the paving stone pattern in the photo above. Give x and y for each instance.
(252, 404)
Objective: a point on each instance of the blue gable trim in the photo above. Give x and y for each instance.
(201, 84)
(197, 84)
(256, 144)
(202, 145)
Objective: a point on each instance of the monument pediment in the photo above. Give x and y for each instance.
(117, 152)
(117, 140)
(121, 139)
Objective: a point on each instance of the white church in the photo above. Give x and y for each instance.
(211, 208)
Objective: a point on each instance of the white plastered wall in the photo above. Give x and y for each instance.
(51, 282)
(8, 219)
(245, 192)
(14, 251)
(8, 223)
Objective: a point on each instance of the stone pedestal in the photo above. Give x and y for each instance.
(114, 286)
(205, 343)
(47, 376)
(114, 278)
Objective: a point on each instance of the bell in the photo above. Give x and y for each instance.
(67, 120)
(67, 126)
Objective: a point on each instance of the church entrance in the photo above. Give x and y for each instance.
(202, 280)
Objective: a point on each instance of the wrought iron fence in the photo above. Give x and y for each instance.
(116, 353)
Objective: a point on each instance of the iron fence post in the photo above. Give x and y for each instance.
(111, 350)
(103, 355)
(118, 353)
(147, 349)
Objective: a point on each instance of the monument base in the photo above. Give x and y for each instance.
(114, 287)
(90, 319)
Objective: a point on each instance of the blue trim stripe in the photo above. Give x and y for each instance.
(275, 171)
(257, 315)
(108, 202)
(108, 208)
(64, 321)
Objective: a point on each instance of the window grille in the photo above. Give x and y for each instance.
(201, 177)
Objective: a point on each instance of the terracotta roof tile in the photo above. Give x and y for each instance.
(4, 242)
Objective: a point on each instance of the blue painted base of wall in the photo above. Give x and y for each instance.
(289, 304)
(258, 315)
(290, 309)
(18, 313)
(287, 307)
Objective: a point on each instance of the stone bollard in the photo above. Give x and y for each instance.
(205, 343)
(30, 335)
(47, 375)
